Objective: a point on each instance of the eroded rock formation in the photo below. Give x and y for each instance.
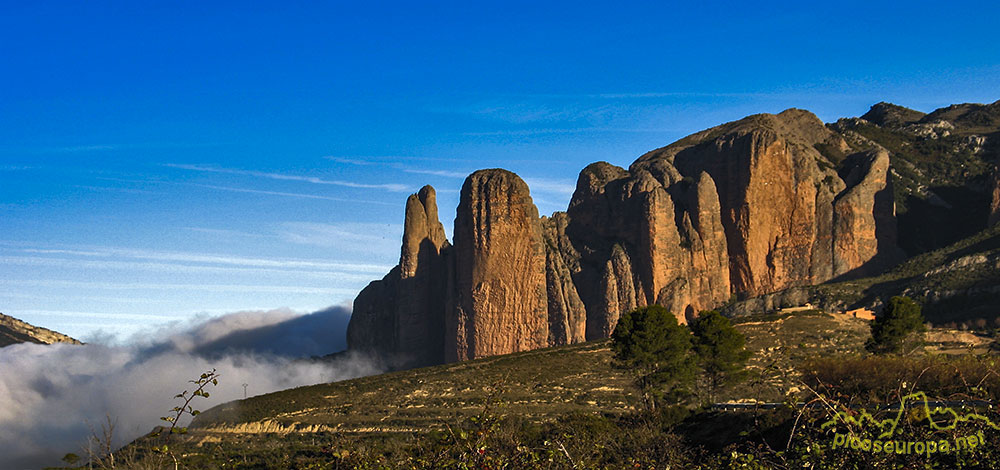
(747, 208)
(401, 318)
(779, 197)
(499, 300)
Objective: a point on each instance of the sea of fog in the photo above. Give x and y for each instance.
(54, 397)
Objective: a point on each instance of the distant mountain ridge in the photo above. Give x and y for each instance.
(13, 331)
(744, 209)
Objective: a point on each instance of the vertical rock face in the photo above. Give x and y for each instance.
(423, 234)
(646, 237)
(567, 314)
(372, 329)
(709, 253)
(777, 197)
(400, 319)
(423, 279)
(500, 302)
(747, 208)
(864, 228)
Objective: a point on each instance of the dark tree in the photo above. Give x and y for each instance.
(892, 329)
(649, 342)
(721, 350)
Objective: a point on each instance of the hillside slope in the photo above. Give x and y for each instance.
(383, 415)
(13, 331)
(536, 385)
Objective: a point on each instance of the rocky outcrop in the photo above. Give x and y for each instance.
(400, 319)
(891, 115)
(500, 300)
(778, 198)
(13, 331)
(489, 294)
(968, 116)
(567, 314)
(752, 207)
(423, 234)
(646, 237)
(423, 278)
(864, 229)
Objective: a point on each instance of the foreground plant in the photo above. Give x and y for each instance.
(210, 377)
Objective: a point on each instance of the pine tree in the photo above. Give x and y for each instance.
(649, 342)
(721, 350)
(902, 317)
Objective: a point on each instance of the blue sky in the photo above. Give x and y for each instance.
(163, 160)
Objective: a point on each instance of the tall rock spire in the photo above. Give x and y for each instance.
(499, 302)
(400, 319)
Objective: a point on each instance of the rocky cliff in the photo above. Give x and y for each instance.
(13, 331)
(789, 217)
(751, 207)
(400, 318)
(498, 298)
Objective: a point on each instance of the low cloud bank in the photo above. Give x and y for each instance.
(52, 397)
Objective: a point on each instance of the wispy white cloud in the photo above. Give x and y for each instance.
(246, 190)
(445, 173)
(283, 263)
(403, 168)
(389, 160)
(181, 269)
(352, 161)
(81, 148)
(285, 194)
(113, 189)
(533, 111)
(381, 239)
(61, 252)
(563, 187)
(238, 288)
(226, 233)
(574, 130)
(116, 299)
(284, 177)
(114, 316)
